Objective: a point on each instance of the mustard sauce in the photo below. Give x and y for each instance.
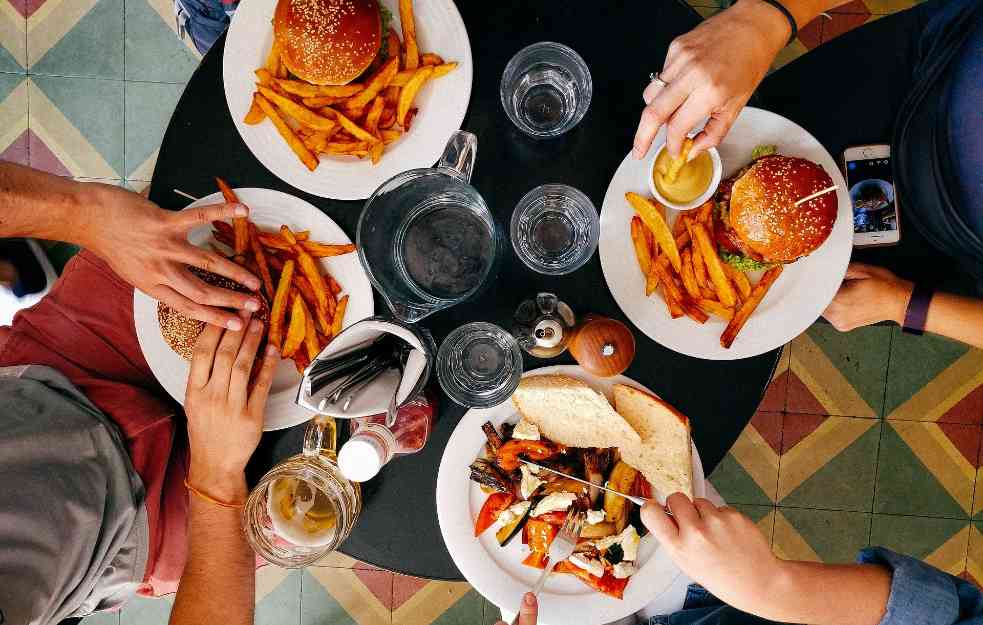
(693, 179)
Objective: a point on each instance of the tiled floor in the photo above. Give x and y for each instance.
(871, 437)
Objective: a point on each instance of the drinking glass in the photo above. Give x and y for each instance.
(555, 229)
(546, 89)
(479, 365)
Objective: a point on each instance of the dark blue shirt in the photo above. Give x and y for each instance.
(966, 126)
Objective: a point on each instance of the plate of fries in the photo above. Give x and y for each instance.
(342, 142)
(311, 281)
(666, 273)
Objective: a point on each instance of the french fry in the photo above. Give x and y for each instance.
(278, 309)
(675, 309)
(408, 120)
(379, 81)
(310, 336)
(372, 117)
(299, 112)
(443, 69)
(388, 136)
(281, 67)
(287, 235)
(333, 285)
(721, 283)
(649, 214)
(307, 90)
(262, 265)
(339, 316)
(321, 316)
(375, 152)
(255, 114)
(348, 125)
(298, 147)
(689, 278)
(652, 279)
(309, 268)
(670, 288)
(272, 63)
(642, 251)
(321, 101)
(240, 225)
(297, 328)
(300, 361)
(747, 309)
(393, 45)
(429, 58)
(409, 34)
(265, 77)
(713, 307)
(739, 279)
(409, 92)
(700, 269)
(676, 164)
(354, 147)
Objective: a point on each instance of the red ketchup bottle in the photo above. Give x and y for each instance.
(372, 444)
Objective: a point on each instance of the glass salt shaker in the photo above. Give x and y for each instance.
(543, 325)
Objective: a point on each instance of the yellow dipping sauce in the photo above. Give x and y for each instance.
(693, 179)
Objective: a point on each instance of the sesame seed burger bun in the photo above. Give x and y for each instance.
(181, 332)
(327, 42)
(763, 211)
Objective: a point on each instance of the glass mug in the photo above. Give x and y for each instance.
(303, 508)
(426, 237)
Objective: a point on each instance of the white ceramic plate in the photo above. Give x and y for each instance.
(268, 209)
(498, 573)
(442, 102)
(792, 304)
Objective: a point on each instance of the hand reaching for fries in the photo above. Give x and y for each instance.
(148, 247)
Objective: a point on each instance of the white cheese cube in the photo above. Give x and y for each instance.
(554, 502)
(529, 482)
(595, 516)
(594, 567)
(526, 431)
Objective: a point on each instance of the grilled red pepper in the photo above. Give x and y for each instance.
(494, 505)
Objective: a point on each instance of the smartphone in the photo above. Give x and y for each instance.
(870, 182)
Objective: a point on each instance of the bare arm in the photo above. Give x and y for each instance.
(956, 317)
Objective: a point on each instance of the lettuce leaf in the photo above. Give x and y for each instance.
(763, 150)
(743, 263)
(387, 19)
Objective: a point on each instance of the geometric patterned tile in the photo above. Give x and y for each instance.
(13, 118)
(839, 373)
(832, 536)
(13, 36)
(974, 560)
(338, 560)
(763, 517)
(154, 52)
(883, 7)
(828, 462)
(332, 596)
(934, 379)
(79, 123)
(775, 394)
(943, 543)
(491, 614)
(146, 611)
(927, 469)
(840, 23)
(748, 474)
(277, 596)
(423, 602)
(102, 618)
(77, 38)
(149, 107)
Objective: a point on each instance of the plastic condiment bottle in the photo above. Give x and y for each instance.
(372, 444)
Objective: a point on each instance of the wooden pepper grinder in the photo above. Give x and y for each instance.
(602, 346)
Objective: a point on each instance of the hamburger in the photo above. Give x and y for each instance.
(329, 42)
(757, 223)
(181, 332)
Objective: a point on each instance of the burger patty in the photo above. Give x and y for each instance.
(725, 236)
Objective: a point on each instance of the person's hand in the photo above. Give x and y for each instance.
(868, 294)
(148, 247)
(528, 610)
(711, 71)
(719, 548)
(225, 417)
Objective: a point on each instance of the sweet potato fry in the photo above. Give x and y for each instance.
(240, 225)
(297, 328)
(429, 58)
(739, 279)
(298, 147)
(321, 316)
(310, 270)
(642, 251)
(311, 345)
(649, 214)
(333, 285)
(262, 265)
(299, 112)
(747, 309)
(339, 316)
(409, 92)
(721, 283)
(689, 278)
(278, 309)
(713, 307)
(379, 81)
(255, 114)
(408, 22)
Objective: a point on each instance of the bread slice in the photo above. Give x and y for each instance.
(664, 455)
(569, 412)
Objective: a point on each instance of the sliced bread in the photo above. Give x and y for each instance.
(664, 455)
(570, 412)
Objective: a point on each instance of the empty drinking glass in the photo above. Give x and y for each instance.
(546, 89)
(555, 229)
(479, 365)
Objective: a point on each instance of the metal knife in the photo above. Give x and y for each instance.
(641, 501)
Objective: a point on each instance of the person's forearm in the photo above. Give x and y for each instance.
(218, 584)
(804, 11)
(956, 317)
(43, 206)
(826, 594)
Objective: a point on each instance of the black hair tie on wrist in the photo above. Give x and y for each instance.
(788, 15)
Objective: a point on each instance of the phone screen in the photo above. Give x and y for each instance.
(872, 194)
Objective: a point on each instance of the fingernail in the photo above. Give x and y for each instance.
(252, 305)
(529, 599)
(240, 211)
(234, 324)
(255, 326)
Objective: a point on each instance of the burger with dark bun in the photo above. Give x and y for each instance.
(329, 42)
(757, 222)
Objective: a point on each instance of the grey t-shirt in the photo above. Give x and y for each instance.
(73, 527)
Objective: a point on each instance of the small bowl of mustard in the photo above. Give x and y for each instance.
(695, 183)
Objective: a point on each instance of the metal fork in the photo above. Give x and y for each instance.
(560, 549)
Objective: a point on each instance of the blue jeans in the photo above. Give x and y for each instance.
(203, 20)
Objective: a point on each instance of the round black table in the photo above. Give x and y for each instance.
(621, 43)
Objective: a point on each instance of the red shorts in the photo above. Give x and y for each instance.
(84, 329)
